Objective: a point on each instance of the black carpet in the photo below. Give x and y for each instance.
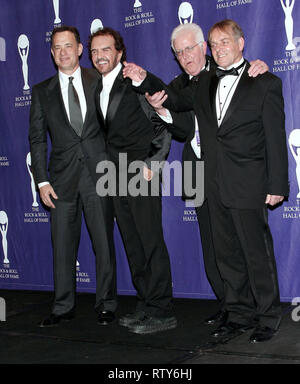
(83, 341)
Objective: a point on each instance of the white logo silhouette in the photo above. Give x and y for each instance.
(294, 143)
(2, 49)
(56, 11)
(287, 7)
(23, 47)
(33, 190)
(96, 24)
(3, 230)
(185, 12)
(137, 4)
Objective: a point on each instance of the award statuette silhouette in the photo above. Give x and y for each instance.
(185, 12)
(96, 24)
(56, 11)
(3, 230)
(23, 47)
(137, 4)
(2, 49)
(287, 6)
(33, 190)
(294, 144)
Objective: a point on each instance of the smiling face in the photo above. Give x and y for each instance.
(66, 51)
(105, 57)
(193, 61)
(226, 48)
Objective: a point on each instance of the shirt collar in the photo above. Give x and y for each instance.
(109, 79)
(64, 78)
(235, 65)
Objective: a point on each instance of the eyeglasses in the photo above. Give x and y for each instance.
(186, 50)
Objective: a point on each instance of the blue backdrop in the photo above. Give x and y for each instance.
(272, 30)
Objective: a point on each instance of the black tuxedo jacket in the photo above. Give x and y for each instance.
(68, 150)
(130, 128)
(247, 154)
(185, 122)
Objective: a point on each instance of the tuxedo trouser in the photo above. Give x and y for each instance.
(66, 221)
(209, 254)
(140, 222)
(245, 257)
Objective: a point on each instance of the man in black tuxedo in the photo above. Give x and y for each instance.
(189, 47)
(64, 106)
(131, 132)
(246, 168)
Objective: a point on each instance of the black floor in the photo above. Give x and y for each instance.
(83, 341)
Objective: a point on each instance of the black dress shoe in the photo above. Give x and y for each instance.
(230, 328)
(54, 320)
(131, 318)
(261, 334)
(153, 325)
(106, 317)
(219, 317)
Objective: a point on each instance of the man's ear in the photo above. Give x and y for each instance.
(241, 43)
(80, 49)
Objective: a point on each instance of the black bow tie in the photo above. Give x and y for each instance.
(233, 71)
(194, 79)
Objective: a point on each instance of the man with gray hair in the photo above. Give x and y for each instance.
(189, 46)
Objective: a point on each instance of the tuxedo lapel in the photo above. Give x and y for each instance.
(213, 86)
(241, 91)
(89, 86)
(56, 102)
(115, 97)
(97, 100)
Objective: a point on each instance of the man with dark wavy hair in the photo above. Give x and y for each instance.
(130, 131)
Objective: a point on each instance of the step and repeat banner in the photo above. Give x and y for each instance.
(272, 32)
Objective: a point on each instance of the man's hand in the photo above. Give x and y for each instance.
(257, 67)
(45, 192)
(274, 199)
(148, 174)
(134, 72)
(157, 100)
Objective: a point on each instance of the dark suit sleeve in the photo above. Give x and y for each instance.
(181, 127)
(178, 101)
(160, 149)
(275, 138)
(161, 143)
(38, 138)
(179, 98)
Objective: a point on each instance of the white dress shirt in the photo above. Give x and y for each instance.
(77, 82)
(226, 88)
(107, 82)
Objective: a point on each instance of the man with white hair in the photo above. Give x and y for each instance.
(189, 47)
